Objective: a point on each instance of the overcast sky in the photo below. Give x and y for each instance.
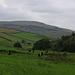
(59, 13)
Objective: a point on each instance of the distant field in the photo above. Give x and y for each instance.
(28, 36)
(7, 42)
(9, 38)
(6, 30)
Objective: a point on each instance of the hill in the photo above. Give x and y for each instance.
(9, 36)
(23, 62)
(35, 27)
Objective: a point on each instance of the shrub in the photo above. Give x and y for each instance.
(42, 44)
(17, 44)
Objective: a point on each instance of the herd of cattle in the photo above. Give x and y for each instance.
(10, 52)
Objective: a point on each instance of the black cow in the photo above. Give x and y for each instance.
(29, 50)
(42, 53)
(39, 55)
(9, 53)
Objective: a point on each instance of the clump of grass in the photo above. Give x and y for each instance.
(64, 57)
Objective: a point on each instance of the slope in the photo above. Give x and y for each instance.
(36, 27)
(9, 36)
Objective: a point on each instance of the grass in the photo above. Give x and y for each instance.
(29, 36)
(7, 40)
(31, 64)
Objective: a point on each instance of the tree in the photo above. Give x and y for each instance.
(17, 44)
(73, 34)
(65, 43)
(42, 44)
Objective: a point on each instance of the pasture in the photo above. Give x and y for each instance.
(23, 62)
(30, 64)
(28, 36)
(7, 41)
(31, 36)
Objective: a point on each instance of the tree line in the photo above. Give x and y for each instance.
(63, 44)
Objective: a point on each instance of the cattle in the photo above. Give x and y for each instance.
(39, 54)
(42, 53)
(9, 53)
(1, 50)
(29, 50)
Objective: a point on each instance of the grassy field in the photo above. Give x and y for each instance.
(7, 42)
(29, 36)
(31, 64)
(26, 63)
(9, 38)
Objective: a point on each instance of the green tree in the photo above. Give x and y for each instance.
(65, 43)
(42, 44)
(17, 44)
(73, 34)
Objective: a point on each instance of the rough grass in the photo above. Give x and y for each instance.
(31, 64)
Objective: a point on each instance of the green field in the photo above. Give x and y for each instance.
(8, 39)
(7, 42)
(28, 63)
(31, 64)
(29, 36)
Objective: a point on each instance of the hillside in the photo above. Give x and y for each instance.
(35, 27)
(23, 62)
(9, 36)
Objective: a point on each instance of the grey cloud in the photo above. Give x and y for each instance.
(56, 12)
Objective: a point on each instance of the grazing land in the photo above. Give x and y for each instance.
(31, 64)
(30, 36)
(23, 62)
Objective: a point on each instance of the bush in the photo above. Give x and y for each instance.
(17, 44)
(42, 44)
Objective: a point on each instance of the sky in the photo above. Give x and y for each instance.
(59, 13)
